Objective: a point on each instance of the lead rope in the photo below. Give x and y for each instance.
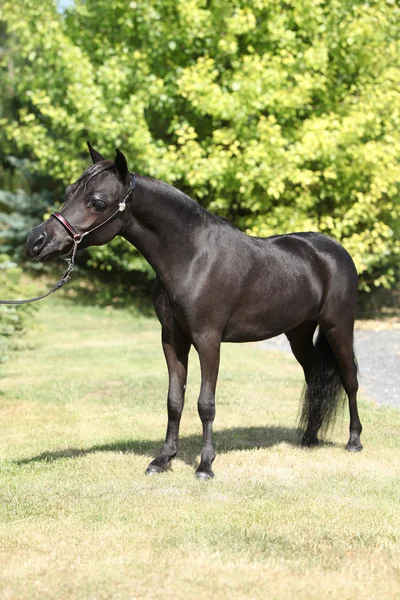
(77, 238)
(65, 277)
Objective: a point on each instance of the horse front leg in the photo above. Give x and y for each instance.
(209, 355)
(176, 350)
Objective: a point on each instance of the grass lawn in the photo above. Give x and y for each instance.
(83, 412)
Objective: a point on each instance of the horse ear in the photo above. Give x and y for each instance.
(122, 165)
(96, 156)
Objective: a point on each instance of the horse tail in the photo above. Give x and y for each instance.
(323, 393)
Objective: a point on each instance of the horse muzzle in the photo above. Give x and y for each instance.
(43, 243)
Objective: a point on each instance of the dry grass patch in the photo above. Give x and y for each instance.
(80, 520)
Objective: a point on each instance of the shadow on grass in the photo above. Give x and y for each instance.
(227, 440)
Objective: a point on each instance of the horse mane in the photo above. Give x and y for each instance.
(180, 198)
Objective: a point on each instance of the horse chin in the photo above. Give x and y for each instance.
(48, 253)
(47, 257)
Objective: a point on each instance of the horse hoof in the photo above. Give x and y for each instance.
(309, 442)
(357, 448)
(203, 476)
(153, 470)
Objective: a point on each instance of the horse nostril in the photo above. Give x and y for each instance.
(39, 242)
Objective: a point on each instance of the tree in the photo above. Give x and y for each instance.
(281, 116)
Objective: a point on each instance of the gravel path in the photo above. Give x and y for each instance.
(378, 355)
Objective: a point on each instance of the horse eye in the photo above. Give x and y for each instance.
(99, 205)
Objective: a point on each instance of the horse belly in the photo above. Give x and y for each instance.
(259, 317)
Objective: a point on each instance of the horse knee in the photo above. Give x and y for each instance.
(175, 406)
(206, 408)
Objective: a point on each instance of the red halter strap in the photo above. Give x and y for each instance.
(67, 225)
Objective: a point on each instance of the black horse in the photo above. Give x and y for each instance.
(215, 284)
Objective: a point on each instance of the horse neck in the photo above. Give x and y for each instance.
(162, 225)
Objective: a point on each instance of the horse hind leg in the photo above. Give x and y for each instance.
(340, 339)
(301, 343)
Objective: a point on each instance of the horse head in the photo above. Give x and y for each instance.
(91, 202)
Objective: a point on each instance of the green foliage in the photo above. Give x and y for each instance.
(13, 320)
(20, 211)
(281, 116)
(24, 199)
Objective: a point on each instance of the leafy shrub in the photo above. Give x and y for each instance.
(281, 116)
(19, 213)
(13, 319)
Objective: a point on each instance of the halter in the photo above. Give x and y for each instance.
(77, 239)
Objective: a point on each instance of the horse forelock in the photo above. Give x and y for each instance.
(92, 171)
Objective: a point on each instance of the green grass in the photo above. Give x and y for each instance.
(82, 414)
